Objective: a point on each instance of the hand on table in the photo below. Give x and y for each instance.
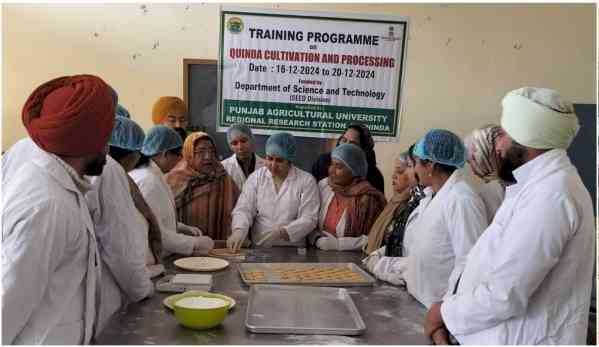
(433, 322)
(441, 337)
(395, 278)
(202, 243)
(327, 243)
(235, 241)
(371, 261)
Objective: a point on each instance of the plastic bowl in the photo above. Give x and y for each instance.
(199, 318)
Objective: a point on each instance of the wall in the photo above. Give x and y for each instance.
(461, 58)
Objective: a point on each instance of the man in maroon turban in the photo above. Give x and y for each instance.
(50, 257)
(72, 117)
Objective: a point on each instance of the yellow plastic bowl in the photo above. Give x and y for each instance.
(200, 318)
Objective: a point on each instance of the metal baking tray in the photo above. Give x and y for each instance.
(272, 274)
(302, 310)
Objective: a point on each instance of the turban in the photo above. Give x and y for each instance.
(480, 149)
(352, 157)
(441, 146)
(166, 106)
(539, 118)
(71, 115)
(281, 145)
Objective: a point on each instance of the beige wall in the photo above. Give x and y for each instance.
(461, 58)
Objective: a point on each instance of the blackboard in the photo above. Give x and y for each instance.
(200, 95)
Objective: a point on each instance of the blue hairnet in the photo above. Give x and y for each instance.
(237, 129)
(122, 111)
(441, 146)
(160, 139)
(126, 134)
(353, 157)
(281, 145)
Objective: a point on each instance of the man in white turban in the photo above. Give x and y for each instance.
(528, 278)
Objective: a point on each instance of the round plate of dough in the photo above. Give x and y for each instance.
(169, 301)
(225, 252)
(201, 264)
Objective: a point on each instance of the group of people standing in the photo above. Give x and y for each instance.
(92, 204)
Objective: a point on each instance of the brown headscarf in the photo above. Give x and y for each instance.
(480, 150)
(205, 197)
(378, 230)
(365, 204)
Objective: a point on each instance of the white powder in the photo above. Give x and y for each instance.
(322, 339)
(201, 302)
(385, 313)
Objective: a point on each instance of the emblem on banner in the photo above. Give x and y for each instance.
(235, 25)
(391, 36)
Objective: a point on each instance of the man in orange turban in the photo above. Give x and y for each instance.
(171, 111)
(51, 265)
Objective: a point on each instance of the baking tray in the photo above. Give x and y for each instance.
(272, 274)
(302, 310)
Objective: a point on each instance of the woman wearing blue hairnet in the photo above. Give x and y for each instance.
(125, 143)
(279, 202)
(161, 151)
(359, 135)
(124, 146)
(349, 204)
(450, 218)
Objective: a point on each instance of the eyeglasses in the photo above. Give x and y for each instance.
(205, 153)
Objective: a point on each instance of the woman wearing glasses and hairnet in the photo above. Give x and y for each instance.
(161, 151)
(279, 202)
(450, 219)
(349, 204)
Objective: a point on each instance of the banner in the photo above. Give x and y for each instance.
(310, 74)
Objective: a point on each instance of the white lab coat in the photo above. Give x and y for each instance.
(50, 262)
(492, 194)
(528, 278)
(121, 241)
(158, 195)
(343, 243)
(437, 242)
(16, 156)
(118, 232)
(234, 170)
(294, 207)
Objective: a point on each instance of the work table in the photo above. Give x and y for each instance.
(391, 315)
